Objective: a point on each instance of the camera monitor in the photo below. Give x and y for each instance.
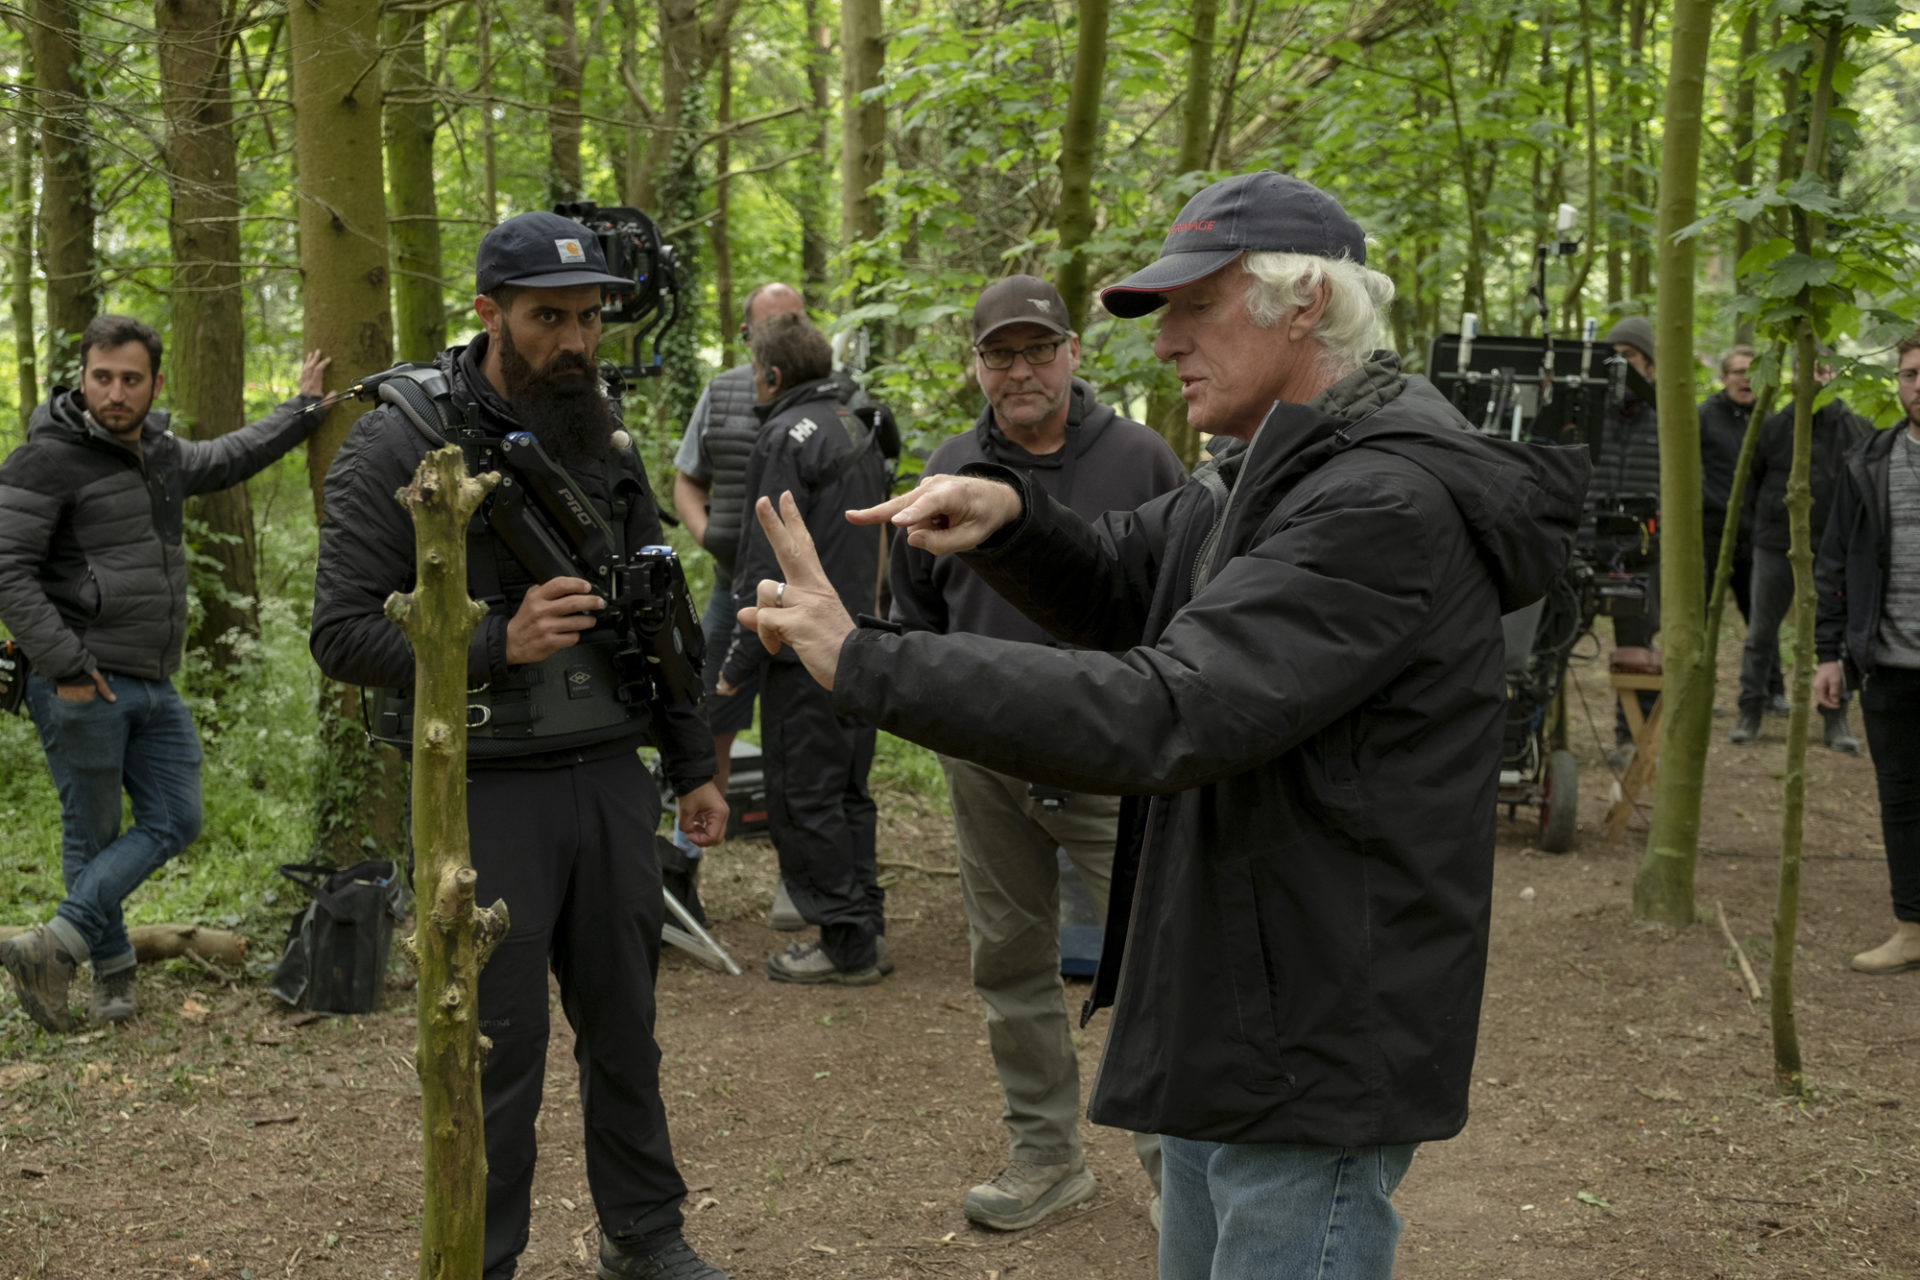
(1498, 384)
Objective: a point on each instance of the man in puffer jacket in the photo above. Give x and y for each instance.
(93, 584)
(1291, 667)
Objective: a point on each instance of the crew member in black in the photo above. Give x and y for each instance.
(560, 810)
(816, 761)
(1626, 466)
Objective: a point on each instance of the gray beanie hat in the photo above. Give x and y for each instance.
(1636, 332)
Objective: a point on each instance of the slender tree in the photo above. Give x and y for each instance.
(62, 91)
(207, 392)
(453, 937)
(1743, 112)
(343, 261)
(816, 230)
(1663, 888)
(1079, 146)
(719, 231)
(565, 73)
(1786, 916)
(863, 45)
(419, 305)
(20, 268)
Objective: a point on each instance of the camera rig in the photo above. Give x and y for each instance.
(634, 248)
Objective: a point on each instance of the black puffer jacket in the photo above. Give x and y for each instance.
(1837, 431)
(1626, 459)
(1292, 666)
(92, 570)
(367, 550)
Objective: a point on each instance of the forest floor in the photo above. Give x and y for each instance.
(1624, 1120)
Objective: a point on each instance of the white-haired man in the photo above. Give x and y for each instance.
(1292, 669)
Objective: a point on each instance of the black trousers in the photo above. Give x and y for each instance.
(570, 850)
(1890, 704)
(1760, 672)
(822, 820)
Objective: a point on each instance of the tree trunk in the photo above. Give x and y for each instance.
(1663, 888)
(1619, 221)
(207, 392)
(66, 183)
(489, 147)
(718, 231)
(1786, 916)
(452, 937)
(1166, 410)
(1079, 143)
(419, 306)
(26, 366)
(863, 161)
(1743, 109)
(1640, 258)
(816, 233)
(564, 76)
(343, 261)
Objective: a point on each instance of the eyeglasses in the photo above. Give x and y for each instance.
(998, 358)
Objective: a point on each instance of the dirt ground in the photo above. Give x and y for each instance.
(1624, 1123)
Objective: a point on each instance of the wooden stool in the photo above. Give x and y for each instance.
(1633, 669)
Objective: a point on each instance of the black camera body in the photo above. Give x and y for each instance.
(651, 610)
(633, 248)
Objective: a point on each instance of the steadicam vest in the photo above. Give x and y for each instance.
(573, 697)
(732, 427)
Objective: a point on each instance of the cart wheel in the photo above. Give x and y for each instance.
(1559, 802)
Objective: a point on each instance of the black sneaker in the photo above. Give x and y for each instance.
(41, 971)
(1748, 730)
(1839, 737)
(113, 999)
(675, 1261)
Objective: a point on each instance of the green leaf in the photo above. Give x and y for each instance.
(1587, 1197)
(1810, 193)
(1799, 271)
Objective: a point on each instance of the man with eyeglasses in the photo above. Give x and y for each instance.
(1044, 422)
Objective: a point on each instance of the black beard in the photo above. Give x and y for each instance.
(563, 409)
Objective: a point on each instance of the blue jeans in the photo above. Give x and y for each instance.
(144, 742)
(1276, 1211)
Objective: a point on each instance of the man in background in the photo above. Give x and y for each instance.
(1047, 424)
(93, 585)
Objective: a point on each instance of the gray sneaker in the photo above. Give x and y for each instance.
(675, 1261)
(807, 962)
(784, 917)
(41, 971)
(1024, 1192)
(114, 999)
(1748, 730)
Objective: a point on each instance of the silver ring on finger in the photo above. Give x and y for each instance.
(780, 596)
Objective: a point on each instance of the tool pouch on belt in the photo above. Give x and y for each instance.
(13, 676)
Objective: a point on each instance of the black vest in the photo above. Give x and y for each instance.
(732, 428)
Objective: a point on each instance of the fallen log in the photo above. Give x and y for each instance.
(156, 942)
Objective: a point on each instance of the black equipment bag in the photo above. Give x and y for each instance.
(336, 956)
(13, 676)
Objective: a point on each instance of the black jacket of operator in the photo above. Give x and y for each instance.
(804, 445)
(1292, 668)
(367, 550)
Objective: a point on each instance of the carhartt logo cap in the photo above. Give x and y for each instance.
(1263, 212)
(543, 251)
(1018, 300)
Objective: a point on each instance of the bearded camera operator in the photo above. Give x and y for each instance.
(560, 810)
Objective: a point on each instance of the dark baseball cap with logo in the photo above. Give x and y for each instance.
(1263, 212)
(541, 250)
(1019, 300)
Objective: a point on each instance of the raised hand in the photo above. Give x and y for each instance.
(805, 611)
(313, 374)
(946, 514)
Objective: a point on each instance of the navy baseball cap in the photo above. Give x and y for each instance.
(541, 251)
(1264, 212)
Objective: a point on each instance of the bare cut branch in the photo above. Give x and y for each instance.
(735, 126)
(789, 158)
(636, 95)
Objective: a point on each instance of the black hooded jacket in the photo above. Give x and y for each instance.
(367, 553)
(1292, 668)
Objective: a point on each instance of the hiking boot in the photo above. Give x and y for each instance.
(883, 955)
(675, 1261)
(1778, 705)
(1025, 1192)
(41, 971)
(785, 917)
(1749, 727)
(1896, 955)
(1839, 737)
(1153, 1212)
(113, 998)
(807, 962)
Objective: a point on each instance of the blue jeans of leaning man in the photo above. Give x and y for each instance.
(1275, 1211)
(143, 743)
